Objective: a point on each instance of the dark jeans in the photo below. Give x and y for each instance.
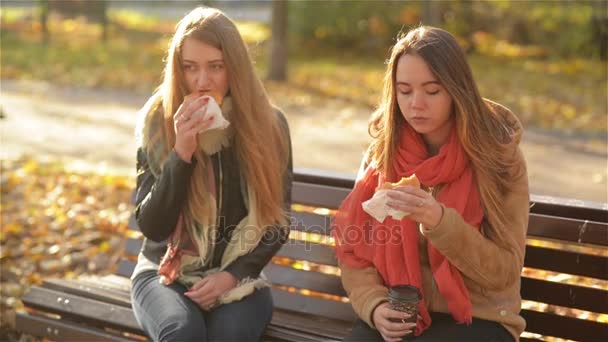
(443, 328)
(165, 314)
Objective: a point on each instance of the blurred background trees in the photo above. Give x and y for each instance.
(546, 60)
(542, 28)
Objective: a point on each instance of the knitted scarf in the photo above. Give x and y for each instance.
(190, 247)
(392, 247)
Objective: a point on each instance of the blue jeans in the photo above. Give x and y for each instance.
(165, 314)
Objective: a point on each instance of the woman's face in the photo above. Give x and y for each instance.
(204, 69)
(423, 101)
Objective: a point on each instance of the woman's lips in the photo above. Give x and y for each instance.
(418, 120)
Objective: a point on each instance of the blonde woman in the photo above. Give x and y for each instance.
(463, 243)
(211, 203)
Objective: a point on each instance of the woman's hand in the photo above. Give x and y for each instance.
(420, 204)
(207, 290)
(187, 125)
(391, 331)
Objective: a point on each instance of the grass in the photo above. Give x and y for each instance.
(564, 95)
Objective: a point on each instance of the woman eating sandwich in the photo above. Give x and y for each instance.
(460, 237)
(213, 190)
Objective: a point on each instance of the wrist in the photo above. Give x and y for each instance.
(183, 156)
(231, 278)
(437, 221)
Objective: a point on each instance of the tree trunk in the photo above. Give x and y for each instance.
(43, 7)
(599, 27)
(104, 21)
(277, 65)
(430, 13)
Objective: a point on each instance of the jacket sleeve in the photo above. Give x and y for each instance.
(365, 289)
(481, 259)
(251, 264)
(158, 200)
(364, 286)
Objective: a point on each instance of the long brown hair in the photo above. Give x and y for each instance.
(483, 132)
(259, 140)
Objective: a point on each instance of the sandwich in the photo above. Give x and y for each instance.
(377, 206)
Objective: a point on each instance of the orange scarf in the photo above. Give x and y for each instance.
(392, 247)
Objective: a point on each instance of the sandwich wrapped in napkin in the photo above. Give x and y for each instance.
(218, 134)
(213, 108)
(377, 206)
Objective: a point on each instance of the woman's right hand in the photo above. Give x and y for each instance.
(391, 331)
(187, 125)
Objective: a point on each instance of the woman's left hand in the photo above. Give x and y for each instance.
(420, 204)
(207, 290)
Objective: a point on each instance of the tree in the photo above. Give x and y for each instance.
(277, 68)
(430, 13)
(43, 6)
(599, 25)
(93, 10)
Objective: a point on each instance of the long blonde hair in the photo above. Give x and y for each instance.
(484, 134)
(259, 140)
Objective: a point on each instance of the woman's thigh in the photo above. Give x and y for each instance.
(444, 328)
(163, 312)
(244, 320)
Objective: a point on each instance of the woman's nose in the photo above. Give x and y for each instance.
(202, 79)
(417, 100)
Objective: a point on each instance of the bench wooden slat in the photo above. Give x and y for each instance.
(63, 330)
(318, 195)
(132, 225)
(551, 324)
(125, 268)
(133, 247)
(561, 228)
(311, 223)
(281, 275)
(310, 251)
(571, 208)
(87, 290)
(324, 328)
(572, 296)
(277, 332)
(112, 281)
(593, 266)
(84, 309)
(312, 305)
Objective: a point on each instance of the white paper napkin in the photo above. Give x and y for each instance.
(219, 121)
(377, 207)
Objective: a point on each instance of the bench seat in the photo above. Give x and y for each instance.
(567, 241)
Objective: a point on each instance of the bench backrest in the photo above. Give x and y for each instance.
(566, 247)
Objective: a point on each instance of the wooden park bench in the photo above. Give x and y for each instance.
(566, 239)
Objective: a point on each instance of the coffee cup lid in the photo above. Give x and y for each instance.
(405, 292)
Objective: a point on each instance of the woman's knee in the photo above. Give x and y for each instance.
(244, 320)
(164, 313)
(180, 327)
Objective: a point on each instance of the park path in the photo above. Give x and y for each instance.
(94, 128)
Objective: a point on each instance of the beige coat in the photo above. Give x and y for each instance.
(490, 273)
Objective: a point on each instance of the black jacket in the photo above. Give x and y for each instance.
(158, 203)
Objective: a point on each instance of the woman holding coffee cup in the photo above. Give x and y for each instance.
(450, 269)
(213, 190)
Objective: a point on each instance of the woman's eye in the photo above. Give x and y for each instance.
(434, 92)
(217, 67)
(188, 67)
